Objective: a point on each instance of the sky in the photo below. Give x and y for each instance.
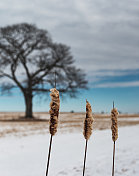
(104, 40)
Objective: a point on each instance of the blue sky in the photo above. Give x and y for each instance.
(104, 40)
(126, 100)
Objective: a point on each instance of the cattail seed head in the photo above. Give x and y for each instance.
(114, 126)
(54, 110)
(88, 122)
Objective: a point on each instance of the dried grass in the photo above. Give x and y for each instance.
(54, 111)
(114, 126)
(88, 122)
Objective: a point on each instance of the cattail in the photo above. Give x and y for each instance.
(54, 111)
(88, 122)
(114, 128)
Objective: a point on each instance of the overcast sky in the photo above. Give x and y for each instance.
(103, 34)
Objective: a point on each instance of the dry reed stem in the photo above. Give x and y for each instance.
(54, 111)
(88, 122)
(114, 127)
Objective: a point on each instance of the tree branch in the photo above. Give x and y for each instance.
(15, 79)
(2, 74)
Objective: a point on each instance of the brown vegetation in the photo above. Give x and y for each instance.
(13, 122)
(88, 121)
(114, 126)
(54, 111)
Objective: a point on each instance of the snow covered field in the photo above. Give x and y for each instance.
(27, 155)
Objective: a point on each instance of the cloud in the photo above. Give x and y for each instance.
(117, 84)
(114, 78)
(103, 34)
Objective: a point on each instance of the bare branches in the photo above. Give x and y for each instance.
(6, 88)
(30, 52)
(2, 74)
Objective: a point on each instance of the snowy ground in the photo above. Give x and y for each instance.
(27, 155)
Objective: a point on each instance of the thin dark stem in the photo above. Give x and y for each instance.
(55, 79)
(49, 155)
(113, 104)
(85, 158)
(113, 158)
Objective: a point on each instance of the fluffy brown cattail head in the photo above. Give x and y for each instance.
(114, 126)
(88, 122)
(54, 110)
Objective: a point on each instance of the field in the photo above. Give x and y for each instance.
(24, 146)
(15, 124)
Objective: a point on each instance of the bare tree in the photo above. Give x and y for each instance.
(28, 57)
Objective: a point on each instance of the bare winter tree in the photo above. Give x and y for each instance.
(28, 58)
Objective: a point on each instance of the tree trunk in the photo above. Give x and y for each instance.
(28, 105)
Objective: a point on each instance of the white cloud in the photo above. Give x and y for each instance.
(98, 75)
(117, 84)
(103, 34)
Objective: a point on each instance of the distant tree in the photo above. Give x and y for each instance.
(72, 111)
(28, 57)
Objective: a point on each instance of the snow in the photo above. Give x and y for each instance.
(132, 119)
(27, 155)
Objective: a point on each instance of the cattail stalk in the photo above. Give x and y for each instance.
(50, 145)
(87, 129)
(114, 128)
(54, 113)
